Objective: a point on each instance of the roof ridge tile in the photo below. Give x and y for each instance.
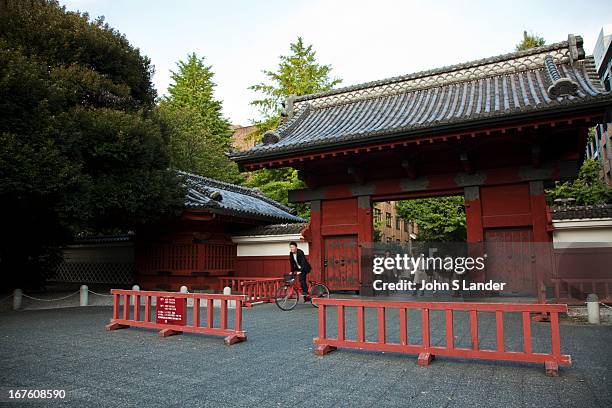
(437, 71)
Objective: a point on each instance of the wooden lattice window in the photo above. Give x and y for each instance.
(219, 256)
(168, 257)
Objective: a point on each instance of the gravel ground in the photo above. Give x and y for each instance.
(68, 349)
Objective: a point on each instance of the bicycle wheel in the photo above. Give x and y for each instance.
(319, 291)
(286, 298)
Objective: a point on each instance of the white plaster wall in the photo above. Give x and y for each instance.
(271, 245)
(582, 233)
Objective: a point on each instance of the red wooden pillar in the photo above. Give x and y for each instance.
(473, 213)
(365, 238)
(541, 237)
(315, 246)
(475, 231)
(538, 211)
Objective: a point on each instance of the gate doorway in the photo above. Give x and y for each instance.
(433, 227)
(341, 262)
(511, 259)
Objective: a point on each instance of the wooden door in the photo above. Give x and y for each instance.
(511, 259)
(341, 263)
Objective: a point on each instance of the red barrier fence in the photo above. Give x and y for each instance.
(256, 290)
(235, 283)
(575, 291)
(122, 318)
(425, 350)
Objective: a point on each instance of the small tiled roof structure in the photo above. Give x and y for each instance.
(525, 84)
(274, 229)
(104, 239)
(582, 212)
(229, 199)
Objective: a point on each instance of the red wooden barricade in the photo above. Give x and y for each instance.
(425, 350)
(127, 316)
(261, 291)
(575, 291)
(256, 290)
(235, 283)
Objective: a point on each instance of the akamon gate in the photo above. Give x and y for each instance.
(496, 131)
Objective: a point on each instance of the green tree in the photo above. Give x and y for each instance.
(439, 219)
(276, 183)
(588, 188)
(377, 230)
(298, 73)
(530, 40)
(82, 149)
(199, 134)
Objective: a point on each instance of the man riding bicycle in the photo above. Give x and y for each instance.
(299, 265)
(288, 295)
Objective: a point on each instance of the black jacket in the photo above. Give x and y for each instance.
(301, 258)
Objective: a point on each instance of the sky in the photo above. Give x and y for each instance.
(362, 40)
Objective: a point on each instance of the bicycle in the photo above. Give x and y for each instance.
(288, 295)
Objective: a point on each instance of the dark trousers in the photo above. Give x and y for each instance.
(303, 283)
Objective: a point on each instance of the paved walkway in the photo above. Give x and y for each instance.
(69, 349)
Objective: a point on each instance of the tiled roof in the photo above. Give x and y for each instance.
(582, 212)
(230, 199)
(544, 80)
(274, 229)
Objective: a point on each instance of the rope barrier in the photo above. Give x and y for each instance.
(604, 305)
(50, 300)
(99, 294)
(54, 300)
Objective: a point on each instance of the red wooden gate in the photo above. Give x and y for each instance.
(341, 263)
(511, 259)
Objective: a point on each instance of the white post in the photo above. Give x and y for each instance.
(17, 297)
(228, 291)
(84, 298)
(135, 287)
(185, 290)
(592, 302)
